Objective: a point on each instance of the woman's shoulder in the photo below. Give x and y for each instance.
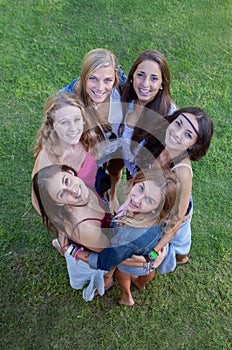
(42, 160)
(70, 88)
(183, 169)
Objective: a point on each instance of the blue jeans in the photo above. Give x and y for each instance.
(126, 242)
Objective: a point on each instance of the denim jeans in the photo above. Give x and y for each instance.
(126, 242)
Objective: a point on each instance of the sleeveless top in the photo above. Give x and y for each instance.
(115, 112)
(105, 221)
(190, 168)
(88, 171)
(183, 164)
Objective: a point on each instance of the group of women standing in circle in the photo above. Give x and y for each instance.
(104, 123)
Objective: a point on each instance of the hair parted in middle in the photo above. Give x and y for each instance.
(162, 101)
(93, 60)
(167, 212)
(47, 136)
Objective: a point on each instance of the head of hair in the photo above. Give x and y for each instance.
(93, 60)
(166, 214)
(53, 214)
(205, 131)
(162, 101)
(47, 136)
(152, 132)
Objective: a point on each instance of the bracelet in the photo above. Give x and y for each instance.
(66, 245)
(73, 250)
(78, 250)
(152, 255)
(70, 249)
(149, 267)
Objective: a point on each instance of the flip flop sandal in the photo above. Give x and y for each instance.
(181, 262)
(56, 244)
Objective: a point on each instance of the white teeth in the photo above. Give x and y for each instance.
(134, 204)
(73, 135)
(144, 91)
(98, 94)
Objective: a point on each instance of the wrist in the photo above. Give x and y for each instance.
(153, 255)
(73, 250)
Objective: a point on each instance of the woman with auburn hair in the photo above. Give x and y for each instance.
(162, 192)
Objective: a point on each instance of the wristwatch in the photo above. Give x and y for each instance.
(152, 255)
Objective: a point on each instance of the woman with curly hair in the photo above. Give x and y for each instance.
(66, 137)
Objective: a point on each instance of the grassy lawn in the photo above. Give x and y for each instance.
(42, 46)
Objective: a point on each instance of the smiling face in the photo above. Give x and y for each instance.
(180, 134)
(65, 188)
(68, 124)
(147, 80)
(144, 197)
(100, 84)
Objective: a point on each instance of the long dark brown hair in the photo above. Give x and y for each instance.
(162, 101)
(154, 140)
(47, 205)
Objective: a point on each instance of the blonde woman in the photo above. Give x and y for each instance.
(98, 87)
(66, 136)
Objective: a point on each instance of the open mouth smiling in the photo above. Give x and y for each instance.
(144, 91)
(133, 204)
(73, 135)
(98, 94)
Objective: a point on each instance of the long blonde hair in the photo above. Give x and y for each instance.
(93, 60)
(47, 136)
(167, 212)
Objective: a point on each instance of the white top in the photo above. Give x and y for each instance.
(107, 148)
(115, 112)
(183, 164)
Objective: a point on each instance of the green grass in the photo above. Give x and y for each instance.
(42, 47)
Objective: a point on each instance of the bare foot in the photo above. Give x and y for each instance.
(135, 281)
(109, 284)
(128, 301)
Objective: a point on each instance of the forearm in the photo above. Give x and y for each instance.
(130, 241)
(167, 236)
(107, 259)
(140, 261)
(84, 256)
(135, 261)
